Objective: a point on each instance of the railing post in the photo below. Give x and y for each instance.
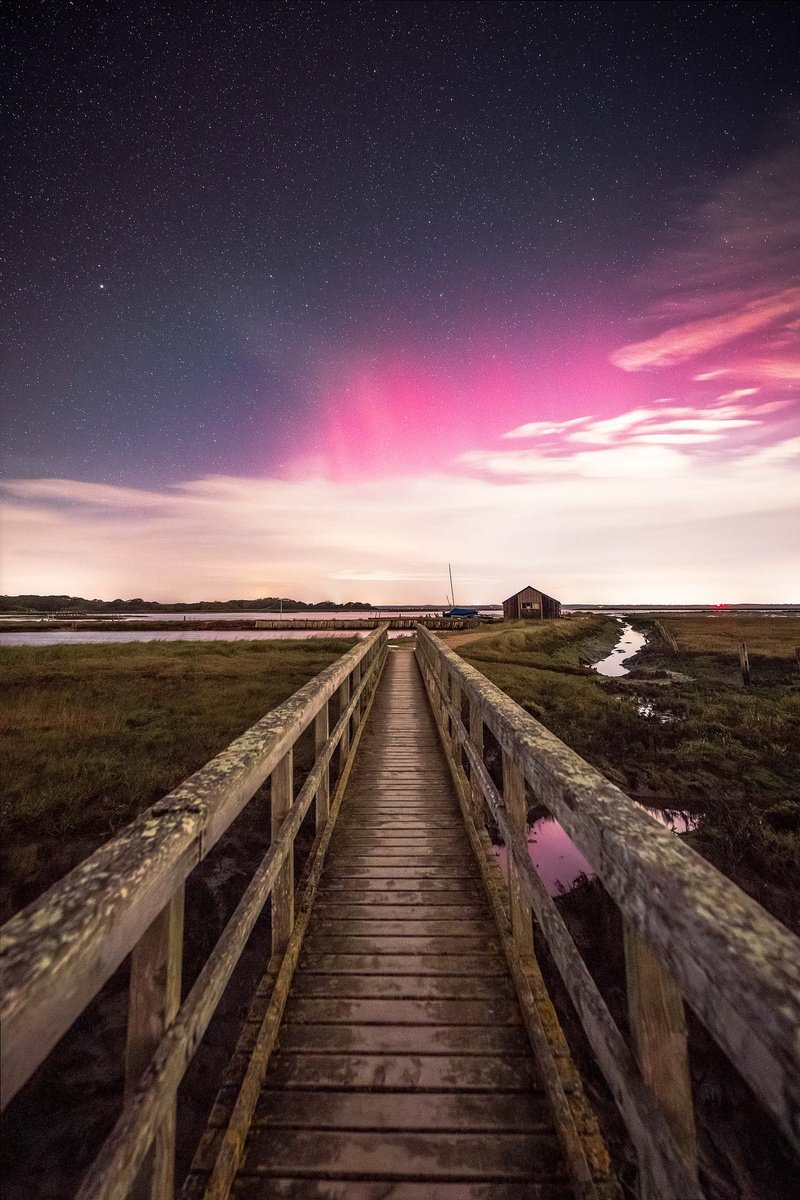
(476, 737)
(455, 700)
(344, 744)
(517, 808)
(323, 797)
(658, 1028)
(154, 997)
(356, 677)
(283, 891)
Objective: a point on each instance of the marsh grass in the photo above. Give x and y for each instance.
(90, 735)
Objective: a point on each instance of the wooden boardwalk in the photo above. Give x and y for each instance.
(387, 1050)
(402, 1067)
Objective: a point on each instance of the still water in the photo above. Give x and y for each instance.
(81, 637)
(630, 643)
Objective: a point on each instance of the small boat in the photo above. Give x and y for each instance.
(471, 613)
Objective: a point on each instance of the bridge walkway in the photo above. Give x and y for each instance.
(402, 1066)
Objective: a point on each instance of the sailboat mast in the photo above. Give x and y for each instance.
(452, 593)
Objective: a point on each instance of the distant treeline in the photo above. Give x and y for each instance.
(62, 604)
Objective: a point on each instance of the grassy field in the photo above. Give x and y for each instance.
(770, 637)
(91, 735)
(681, 731)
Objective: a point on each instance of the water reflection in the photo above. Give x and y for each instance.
(558, 860)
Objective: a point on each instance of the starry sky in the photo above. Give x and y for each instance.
(312, 298)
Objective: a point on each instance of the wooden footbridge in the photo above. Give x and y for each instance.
(401, 1042)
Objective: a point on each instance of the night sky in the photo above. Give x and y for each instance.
(313, 297)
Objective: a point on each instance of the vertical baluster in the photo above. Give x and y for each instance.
(455, 744)
(476, 737)
(658, 1029)
(517, 809)
(153, 1000)
(344, 744)
(357, 710)
(283, 891)
(323, 798)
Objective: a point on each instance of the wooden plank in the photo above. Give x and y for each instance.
(405, 898)
(403, 1072)
(387, 873)
(466, 886)
(352, 944)
(282, 787)
(404, 964)
(321, 734)
(414, 912)
(154, 997)
(658, 1028)
(431, 927)
(516, 806)
(403, 1039)
(341, 1154)
(409, 987)
(251, 1187)
(402, 1012)
(490, 1112)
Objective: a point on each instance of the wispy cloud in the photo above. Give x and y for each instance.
(636, 520)
(727, 286)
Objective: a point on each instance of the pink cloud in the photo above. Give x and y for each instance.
(688, 341)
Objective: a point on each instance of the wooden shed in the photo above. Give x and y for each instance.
(529, 604)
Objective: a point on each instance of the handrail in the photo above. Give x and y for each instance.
(59, 951)
(737, 967)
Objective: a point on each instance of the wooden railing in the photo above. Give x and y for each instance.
(690, 934)
(128, 898)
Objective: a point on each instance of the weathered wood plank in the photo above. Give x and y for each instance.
(413, 912)
(490, 1112)
(517, 810)
(403, 1039)
(403, 1072)
(321, 734)
(282, 787)
(154, 997)
(351, 944)
(402, 1012)
(402, 1155)
(251, 1187)
(658, 1028)
(404, 964)
(431, 927)
(416, 987)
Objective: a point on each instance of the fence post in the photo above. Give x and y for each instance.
(476, 737)
(658, 1029)
(744, 663)
(517, 809)
(344, 744)
(357, 710)
(154, 997)
(455, 699)
(283, 892)
(323, 797)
